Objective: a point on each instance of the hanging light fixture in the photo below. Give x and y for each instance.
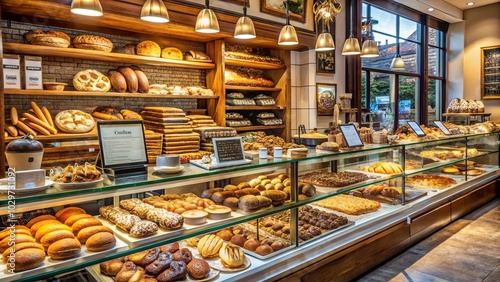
(207, 21)
(370, 46)
(398, 63)
(351, 46)
(91, 8)
(325, 40)
(288, 35)
(154, 11)
(244, 27)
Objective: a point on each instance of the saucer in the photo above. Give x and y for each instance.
(168, 169)
(4, 188)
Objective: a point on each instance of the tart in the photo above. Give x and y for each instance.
(218, 211)
(195, 217)
(430, 181)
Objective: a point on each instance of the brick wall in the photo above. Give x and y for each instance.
(63, 69)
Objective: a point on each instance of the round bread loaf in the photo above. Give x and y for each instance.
(28, 258)
(87, 232)
(34, 228)
(92, 42)
(20, 246)
(148, 48)
(91, 80)
(238, 239)
(251, 244)
(84, 222)
(171, 53)
(74, 121)
(231, 202)
(47, 228)
(39, 218)
(198, 268)
(32, 33)
(225, 234)
(59, 34)
(54, 236)
(100, 241)
(264, 250)
(64, 249)
(118, 81)
(277, 245)
(50, 40)
(75, 217)
(248, 203)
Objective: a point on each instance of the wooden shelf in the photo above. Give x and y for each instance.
(27, 49)
(259, 127)
(252, 64)
(250, 88)
(59, 137)
(102, 94)
(466, 114)
(255, 108)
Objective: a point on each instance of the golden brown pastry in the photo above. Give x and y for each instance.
(84, 222)
(251, 244)
(209, 246)
(34, 228)
(18, 247)
(85, 233)
(28, 258)
(225, 234)
(198, 268)
(47, 228)
(145, 257)
(264, 250)
(232, 256)
(91, 80)
(100, 241)
(54, 236)
(39, 218)
(148, 48)
(75, 217)
(64, 249)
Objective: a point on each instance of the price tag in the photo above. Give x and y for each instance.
(416, 128)
(351, 135)
(228, 149)
(441, 126)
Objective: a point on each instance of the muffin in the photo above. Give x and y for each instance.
(198, 268)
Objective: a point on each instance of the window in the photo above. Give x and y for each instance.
(417, 92)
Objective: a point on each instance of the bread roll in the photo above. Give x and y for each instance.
(131, 78)
(87, 232)
(198, 268)
(54, 236)
(128, 269)
(47, 228)
(251, 244)
(40, 218)
(28, 258)
(249, 203)
(84, 222)
(264, 250)
(18, 247)
(118, 81)
(100, 241)
(64, 249)
(13, 116)
(69, 214)
(75, 217)
(209, 245)
(171, 53)
(8, 231)
(61, 211)
(148, 48)
(36, 226)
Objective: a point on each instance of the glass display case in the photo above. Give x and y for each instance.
(317, 204)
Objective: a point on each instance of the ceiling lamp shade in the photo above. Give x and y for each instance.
(398, 63)
(244, 27)
(325, 42)
(351, 46)
(207, 21)
(288, 35)
(91, 8)
(370, 49)
(154, 11)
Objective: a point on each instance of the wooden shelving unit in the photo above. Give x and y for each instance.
(250, 64)
(255, 108)
(102, 94)
(251, 88)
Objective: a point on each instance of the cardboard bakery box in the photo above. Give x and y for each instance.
(33, 72)
(11, 71)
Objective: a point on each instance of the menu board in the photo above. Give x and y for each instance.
(416, 128)
(441, 126)
(228, 149)
(351, 135)
(122, 143)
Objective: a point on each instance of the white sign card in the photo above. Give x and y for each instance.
(351, 135)
(441, 126)
(122, 143)
(416, 128)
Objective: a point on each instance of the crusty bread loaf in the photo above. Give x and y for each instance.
(171, 53)
(34, 228)
(87, 232)
(54, 236)
(93, 42)
(19, 247)
(65, 215)
(64, 249)
(75, 217)
(7, 231)
(74, 121)
(100, 241)
(130, 78)
(20, 238)
(148, 48)
(63, 210)
(91, 80)
(84, 222)
(28, 258)
(47, 228)
(50, 38)
(142, 79)
(118, 81)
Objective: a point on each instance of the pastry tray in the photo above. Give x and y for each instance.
(161, 234)
(50, 264)
(412, 196)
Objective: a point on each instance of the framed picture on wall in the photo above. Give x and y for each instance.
(490, 72)
(277, 8)
(325, 61)
(326, 97)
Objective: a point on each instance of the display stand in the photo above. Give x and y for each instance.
(481, 116)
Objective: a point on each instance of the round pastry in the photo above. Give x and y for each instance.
(209, 245)
(91, 80)
(251, 244)
(64, 248)
(84, 222)
(231, 202)
(54, 236)
(28, 258)
(218, 211)
(225, 234)
(450, 170)
(264, 250)
(238, 239)
(100, 241)
(92, 42)
(277, 245)
(183, 254)
(39, 218)
(171, 53)
(232, 256)
(198, 268)
(74, 121)
(195, 217)
(148, 48)
(248, 203)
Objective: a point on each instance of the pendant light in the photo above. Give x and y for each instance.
(91, 8)
(325, 40)
(244, 27)
(154, 11)
(398, 63)
(288, 35)
(370, 46)
(207, 21)
(351, 46)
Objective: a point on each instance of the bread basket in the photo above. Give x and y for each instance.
(57, 86)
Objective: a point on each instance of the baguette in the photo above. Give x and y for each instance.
(38, 112)
(11, 129)
(5, 134)
(38, 128)
(36, 120)
(142, 79)
(104, 116)
(48, 117)
(26, 129)
(13, 115)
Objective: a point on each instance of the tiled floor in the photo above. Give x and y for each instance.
(466, 250)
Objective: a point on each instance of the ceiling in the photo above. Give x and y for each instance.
(462, 4)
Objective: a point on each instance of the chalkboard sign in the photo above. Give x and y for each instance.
(228, 149)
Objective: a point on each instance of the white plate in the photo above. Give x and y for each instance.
(79, 185)
(168, 169)
(4, 189)
(217, 264)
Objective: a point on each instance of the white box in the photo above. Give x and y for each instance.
(33, 72)
(11, 72)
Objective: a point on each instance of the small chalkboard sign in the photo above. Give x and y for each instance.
(228, 149)
(441, 126)
(351, 135)
(416, 128)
